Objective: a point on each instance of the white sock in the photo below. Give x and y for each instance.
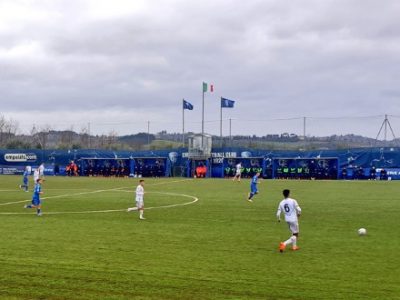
(141, 213)
(294, 240)
(287, 242)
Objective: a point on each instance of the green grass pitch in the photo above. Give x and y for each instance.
(220, 247)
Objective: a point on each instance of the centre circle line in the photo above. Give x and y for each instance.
(194, 200)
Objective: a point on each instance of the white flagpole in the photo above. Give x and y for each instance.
(202, 120)
(220, 124)
(183, 124)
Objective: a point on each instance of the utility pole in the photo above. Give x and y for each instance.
(89, 135)
(230, 132)
(148, 133)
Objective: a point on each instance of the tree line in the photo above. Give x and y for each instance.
(45, 137)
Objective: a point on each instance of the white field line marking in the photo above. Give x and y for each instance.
(60, 196)
(49, 189)
(91, 192)
(87, 189)
(100, 191)
(173, 181)
(18, 190)
(194, 200)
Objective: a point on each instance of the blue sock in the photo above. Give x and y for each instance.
(29, 206)
(251, 195)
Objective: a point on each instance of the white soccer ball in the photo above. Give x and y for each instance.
(362, 231)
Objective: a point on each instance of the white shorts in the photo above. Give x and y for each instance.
(139, 203)
(294, 227)
(238, 173)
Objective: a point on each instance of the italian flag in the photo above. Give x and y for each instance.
(205, 87)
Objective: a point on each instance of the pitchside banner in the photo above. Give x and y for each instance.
(17, 162)
(11, 170)
(19, 170)
(20, 157)
(392, 174)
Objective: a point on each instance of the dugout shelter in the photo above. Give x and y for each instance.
(124, 167)
(305, 168)
(354, 164)
(223, 167)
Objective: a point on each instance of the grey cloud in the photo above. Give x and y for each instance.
(275, 57)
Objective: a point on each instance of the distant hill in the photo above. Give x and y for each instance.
(69, 139)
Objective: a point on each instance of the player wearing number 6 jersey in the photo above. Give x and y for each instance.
(292, 211)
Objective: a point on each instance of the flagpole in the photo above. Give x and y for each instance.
(183, 125)
(220, 126)
(202, 120)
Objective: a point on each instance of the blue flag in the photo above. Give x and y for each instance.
(227, 103)
(187, 105)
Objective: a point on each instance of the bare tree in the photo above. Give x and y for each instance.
(41, 135)
(112, 138)
(84, 137)
(102, 141)
(2, 126)
(8, 130)
(67, 137)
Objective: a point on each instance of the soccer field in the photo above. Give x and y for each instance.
(201, 240)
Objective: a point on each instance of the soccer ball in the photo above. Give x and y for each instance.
(362, 231)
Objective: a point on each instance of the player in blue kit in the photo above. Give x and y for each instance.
(36, 203)
(253, 187)
(25, 178)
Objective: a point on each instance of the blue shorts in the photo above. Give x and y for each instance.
(253, 189)
(36, 201)
(25, 181)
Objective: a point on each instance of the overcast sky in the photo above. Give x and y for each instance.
(119, 64)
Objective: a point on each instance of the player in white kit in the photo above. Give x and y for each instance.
(139, 199)
(238, 173)
(292, 211)
(41, 170)
(36, 175)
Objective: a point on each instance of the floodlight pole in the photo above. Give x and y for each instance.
(384, 126)
(386, 121)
